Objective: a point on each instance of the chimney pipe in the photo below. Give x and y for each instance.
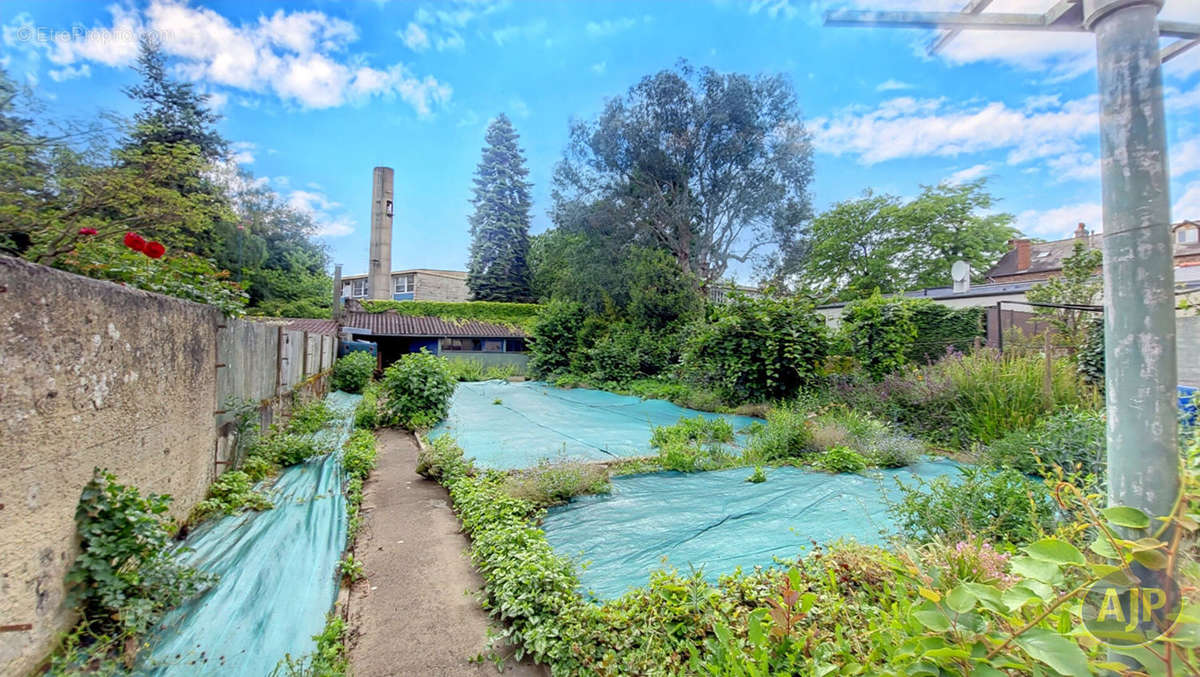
(1080, 231)
(337, 292)
(379, 276)
(1024, 252)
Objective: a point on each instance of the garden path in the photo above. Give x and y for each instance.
(415, 614)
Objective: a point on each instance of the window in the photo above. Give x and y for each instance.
(358, 288)
(1187, 235)
(493, 345)
(457, 344)
(473, 345)
(405, 284)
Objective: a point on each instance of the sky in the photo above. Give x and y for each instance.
(316, 93)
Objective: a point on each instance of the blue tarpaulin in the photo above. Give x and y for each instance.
(514, 425)
(277, 573)
(716, 521)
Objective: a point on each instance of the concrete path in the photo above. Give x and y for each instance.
(415, 614)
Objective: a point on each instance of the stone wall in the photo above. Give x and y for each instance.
(101, 375)
(437, 287)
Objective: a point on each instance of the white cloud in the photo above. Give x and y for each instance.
(1080, 166)
(892, 85)
(609, 27)
(301, 57)
(513, 33)
(1185, 157)
(600, 68)
(1060, 222)
(776, 9)
(1187, 207)
(518, 107)
(414, 37)
(968, 174)
(242, 152)
(320, 208)
(70, 72)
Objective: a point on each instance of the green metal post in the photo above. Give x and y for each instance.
(1139, 318)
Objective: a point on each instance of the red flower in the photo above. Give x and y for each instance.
(87, 231)
(135, 242)
(154, 249)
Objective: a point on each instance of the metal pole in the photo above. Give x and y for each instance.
(1139, 318)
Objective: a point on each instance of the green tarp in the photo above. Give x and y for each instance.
(515, 425)
(278, 574)
(717, 522)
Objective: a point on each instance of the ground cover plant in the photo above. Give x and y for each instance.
(417, 390)
(352, 372)
(366, 414)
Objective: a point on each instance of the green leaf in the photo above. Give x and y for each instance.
(1051, 648)
(1035, 569)
(1055, 551)
(934, 619)
(1103, 547)
(1124, 516)
(960, 600)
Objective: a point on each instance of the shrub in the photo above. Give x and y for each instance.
(126, 575)
(358, 454)
(551, 483)
(1090, 357)
(695, 430)
(786, 435)
(258, 468)
(756, 350)
(969, 561)
(352, 372)
(880, 333)
(366, 414)
(1005, 507)
(441, 457)
(417, 390)
(661, 294)
(758, 476)
(842, 460)
(310, 417)
(286, 449)
(877, 442)
(893, 450)
(942, 329)
(1072, 439)
(555, 338)
(614, 358)
(232, 493)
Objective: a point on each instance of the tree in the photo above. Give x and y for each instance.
(499, 266)
(711, 167)
(879, 242)
(173, 112)
(1077, 285)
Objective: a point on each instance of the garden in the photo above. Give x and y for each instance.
(890, 497)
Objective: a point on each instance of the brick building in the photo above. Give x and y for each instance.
(417, 284)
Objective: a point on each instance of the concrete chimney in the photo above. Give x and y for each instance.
(1024, 250)
(379, 276)
(1080, 231)
(337, 292)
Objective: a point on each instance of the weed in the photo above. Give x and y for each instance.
(758, 476)
(551, 483)
(351, 569)
(841, 460)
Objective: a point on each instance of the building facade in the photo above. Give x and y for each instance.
(418, 284)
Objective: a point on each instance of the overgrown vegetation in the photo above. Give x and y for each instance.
(327, 660)
(417, 390)
(352, 372)
(366, 414)
(1071, 439)
(554, 482)
(474, 370)
(232, 492)
(125, 577)
(517, 315)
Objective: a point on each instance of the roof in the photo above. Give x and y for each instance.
(1047, 257)
(313, 326)
(392, 324)
(936, 293)
(454, 274)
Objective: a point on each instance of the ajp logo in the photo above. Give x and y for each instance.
(1132, 608)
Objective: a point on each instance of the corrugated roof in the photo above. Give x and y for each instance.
(313, 326)
(392, 324)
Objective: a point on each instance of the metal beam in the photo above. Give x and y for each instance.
(1178, 29)
(1176, 48)
(1065, 11)
(973, 7)
(951, 20)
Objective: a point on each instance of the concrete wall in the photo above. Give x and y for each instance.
(1187, 348)
(435, 287)
(101, 375)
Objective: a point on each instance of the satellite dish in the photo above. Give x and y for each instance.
(960, 272)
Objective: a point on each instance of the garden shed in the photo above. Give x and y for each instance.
(491, 344)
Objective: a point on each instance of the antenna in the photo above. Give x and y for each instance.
(960, 272)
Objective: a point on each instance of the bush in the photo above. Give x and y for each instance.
(366, 414)
(551, 483)
(877, 442)
(555, 338)
(661, 294)
(1004, 507)
(310, 417)
(756, 349)
(440, 458)
(286, 449)
(1090, 357)
(417, 390)
(126, 575)
(1072, 439)
(787, 435)
(352, 372)
(232, 493)
(880, 333)
(842, 459)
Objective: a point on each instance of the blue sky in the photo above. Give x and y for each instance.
(314, 94)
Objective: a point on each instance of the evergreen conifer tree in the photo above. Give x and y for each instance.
(499, 266)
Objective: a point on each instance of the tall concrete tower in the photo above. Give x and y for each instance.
(379, 277)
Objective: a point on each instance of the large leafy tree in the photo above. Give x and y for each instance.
(879, 242)
(712, 167)
(499, 266)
